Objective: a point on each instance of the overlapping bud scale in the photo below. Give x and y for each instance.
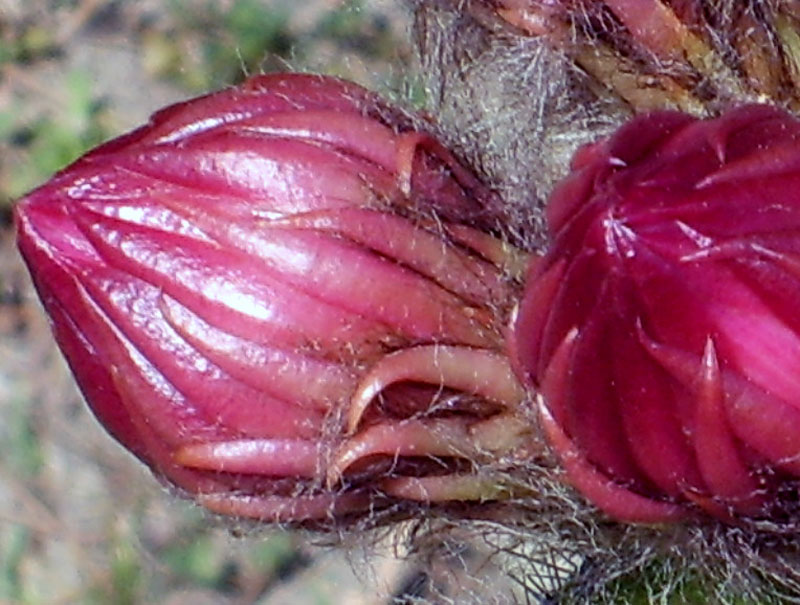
(283, 297)
(662, 324)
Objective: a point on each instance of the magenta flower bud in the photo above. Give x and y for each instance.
(662, 327)
(275, 296)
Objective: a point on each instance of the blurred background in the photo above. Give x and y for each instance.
(80, 520)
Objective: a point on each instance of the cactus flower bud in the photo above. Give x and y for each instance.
(276, 297)
(661, 325)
